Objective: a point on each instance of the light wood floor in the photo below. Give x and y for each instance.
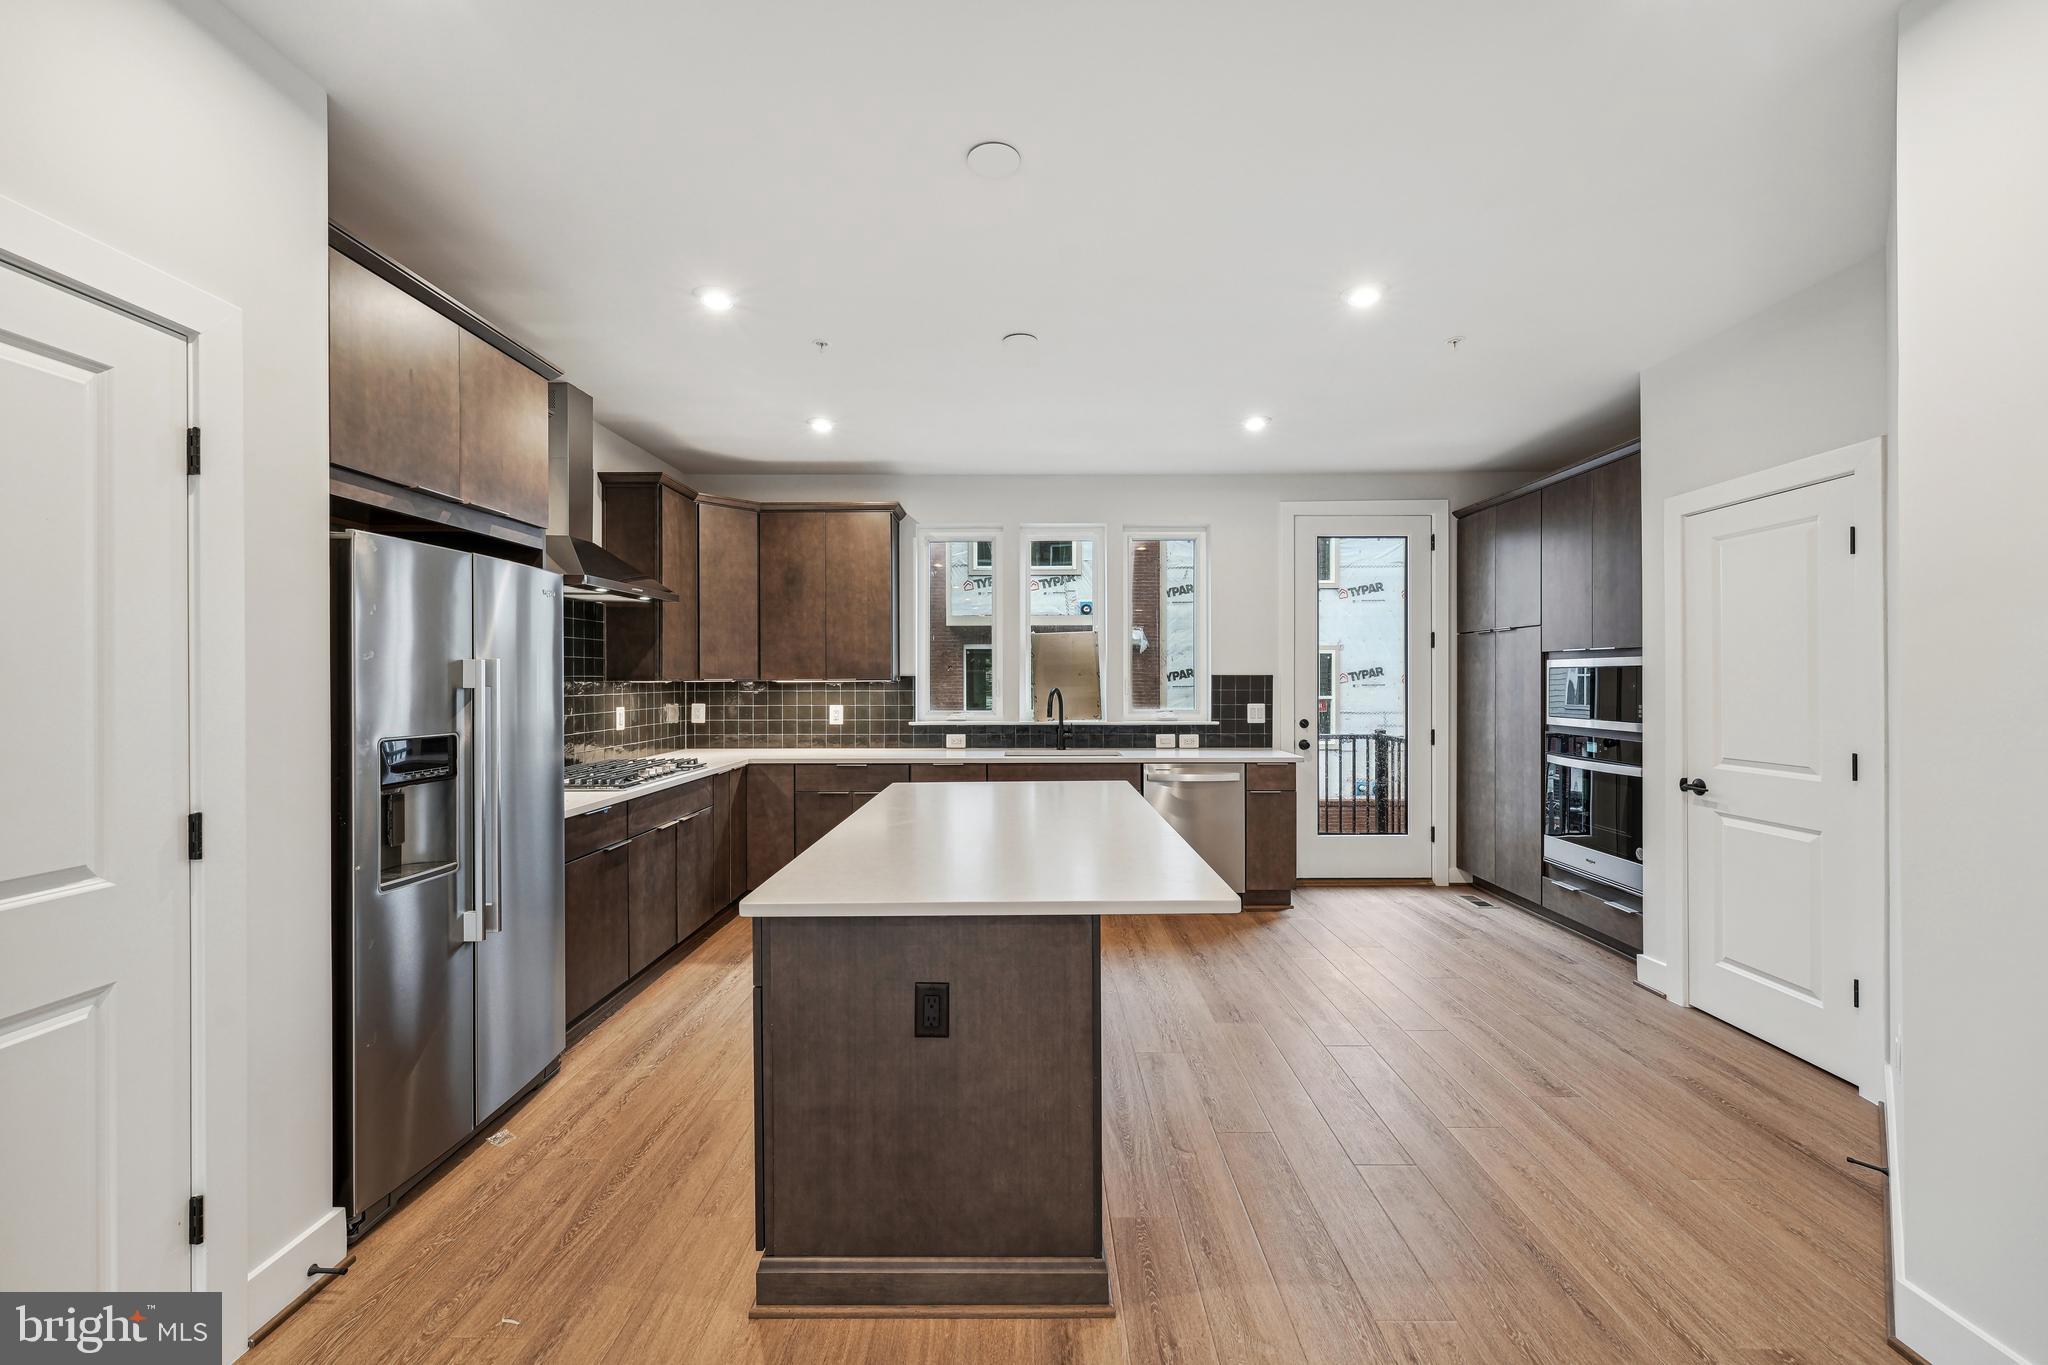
(1387, 1125)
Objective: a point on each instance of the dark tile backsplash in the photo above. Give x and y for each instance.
(793, 715)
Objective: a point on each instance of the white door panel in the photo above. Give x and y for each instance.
(95, 1161)
(1362, 681)
(1780, 688)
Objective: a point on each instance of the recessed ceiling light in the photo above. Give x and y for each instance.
(716, 299)
(1256, 423)
(994, 160)
(822, 425)
(1364, 295)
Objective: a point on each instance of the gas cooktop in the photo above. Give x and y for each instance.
(618, 774)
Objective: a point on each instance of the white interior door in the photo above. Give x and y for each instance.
(1362, 696)
(1783, 653)
(95, 1041)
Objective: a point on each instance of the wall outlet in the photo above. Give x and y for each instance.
(671, 713)
(956, 741)
(933, 1010)
(618, 718)
(835, 714)
(1162, 741)
(696, 713)
(1190, 741)
(1255, 711)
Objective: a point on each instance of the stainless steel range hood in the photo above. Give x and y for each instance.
(588, 569)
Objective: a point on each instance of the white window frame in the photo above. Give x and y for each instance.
(1107, 674)
(1000, 612)
(1199, 713)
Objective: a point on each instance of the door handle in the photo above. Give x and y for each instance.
(1301, 743)
(1692, 784)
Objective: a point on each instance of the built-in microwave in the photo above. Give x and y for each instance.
(1593, 806)
(1597, 692)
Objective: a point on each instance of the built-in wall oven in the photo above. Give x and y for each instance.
(1593, 767)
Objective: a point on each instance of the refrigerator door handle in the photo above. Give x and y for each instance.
(476, 681)
(494, 853)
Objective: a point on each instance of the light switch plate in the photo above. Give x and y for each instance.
(1190, 741)
(670, 713)
(1162, 741)
(618, 718)
(696, 713)
(835, 714)
(956, 741)
(1255, 711)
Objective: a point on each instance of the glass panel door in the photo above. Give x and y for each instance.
(1361, 667)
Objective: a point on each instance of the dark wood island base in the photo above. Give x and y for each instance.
(901, 1173)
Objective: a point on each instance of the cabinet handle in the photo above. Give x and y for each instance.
(614, 848)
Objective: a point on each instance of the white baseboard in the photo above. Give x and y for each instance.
(282, 1277)
(1940, 1334)
(1655, 973)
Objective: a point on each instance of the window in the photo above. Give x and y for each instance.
(957, 613)
(1167, 624)
(1063, 587)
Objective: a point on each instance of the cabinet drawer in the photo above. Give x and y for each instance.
(849, 777)
(1589, 911)
(949, 772)
(592, 830)
(649, 812)
(1133, 773)
(1269, 777)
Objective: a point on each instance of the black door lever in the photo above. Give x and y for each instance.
(1692, 784)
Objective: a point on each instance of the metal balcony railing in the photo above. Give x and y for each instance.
(1361, 784)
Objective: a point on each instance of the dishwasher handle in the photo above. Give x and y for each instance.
(1170, 777)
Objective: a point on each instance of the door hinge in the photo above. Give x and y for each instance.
(1432, 540)
(1432, 639)
(1432, 834)
(1432, 734)
(191, 451)
(195, 836)
(195, 1220)
(1856, 993)
(1852, 540)
(1855, 767)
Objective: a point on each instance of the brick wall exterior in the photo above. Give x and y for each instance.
(1145, 615)
(948, 644)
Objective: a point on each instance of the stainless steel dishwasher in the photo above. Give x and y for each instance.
(1204, 802)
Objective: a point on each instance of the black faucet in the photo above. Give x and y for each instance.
(1054, 696)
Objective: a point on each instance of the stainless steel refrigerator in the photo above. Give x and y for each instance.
(448, 852)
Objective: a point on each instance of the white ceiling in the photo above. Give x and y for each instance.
(1579, 188)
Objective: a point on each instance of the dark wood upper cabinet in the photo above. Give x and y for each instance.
(828, 591)
(504, 433)
(1518, 563)
(1475, 571)
(1568, 564)
(650, 521)
(394, 384)
(792, 594)
(860, 594)
(1617, 554)
(728, 589)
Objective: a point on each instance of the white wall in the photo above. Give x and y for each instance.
(1811, 374)
(1971, 1106)
(169, 132)
(1241, 512)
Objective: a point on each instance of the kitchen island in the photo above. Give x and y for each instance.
(928, 1044)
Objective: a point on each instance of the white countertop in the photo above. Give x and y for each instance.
(723, 760)
(997, 848)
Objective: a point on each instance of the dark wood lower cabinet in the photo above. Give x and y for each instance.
(595, 892)
(949, 772)
(818, 813)
(1268, 847)
(651, 897)
(699, 856)
(771, 820)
